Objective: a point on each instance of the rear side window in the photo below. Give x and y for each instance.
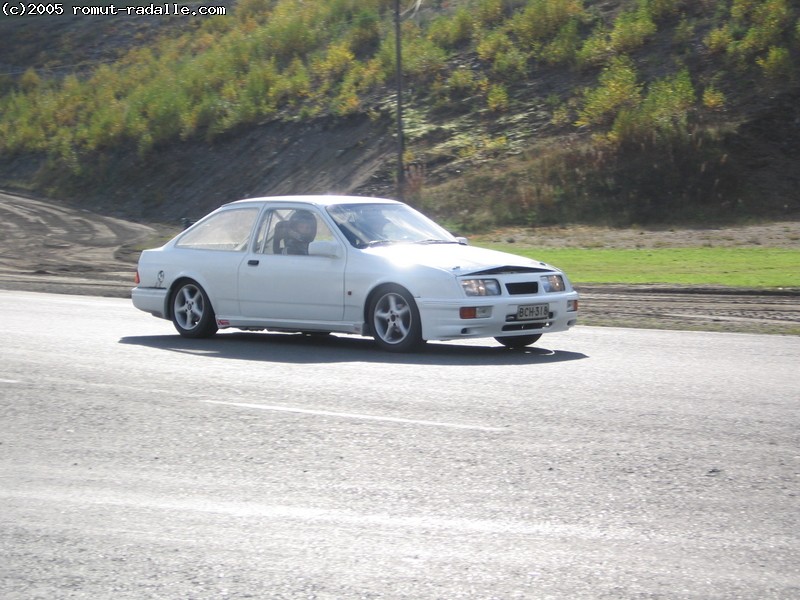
(228, 230)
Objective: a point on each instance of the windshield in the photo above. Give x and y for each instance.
(367, 225)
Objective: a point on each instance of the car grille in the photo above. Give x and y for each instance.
(524, 287)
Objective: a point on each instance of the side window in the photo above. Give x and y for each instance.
(228, 230)
(263, 237)
(290, 231)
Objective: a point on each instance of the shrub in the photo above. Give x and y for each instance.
(669, 101)
(358, 79)
(289, 34)
(451, 31)
(21, 128)
(493, 44)
(684, 32)
(660, 9)
(30, 81)
(617, 89)
(365, 35)
(497, 98)
(488, 13)
(777, 64)
(713, 99)
(663, 114)
(258, 83)
(719, 40)
(253, 8)
(423, 59)
(461, 83)
(764, 24)
(596, 49)
(541, 20)
(511, 64)
(336, 60)
(631, 29)
(292, 86)
(564, 47)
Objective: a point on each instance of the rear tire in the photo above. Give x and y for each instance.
(192, 314)
(394, 320)
(518, 341)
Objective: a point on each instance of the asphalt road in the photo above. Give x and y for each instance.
(603, 463)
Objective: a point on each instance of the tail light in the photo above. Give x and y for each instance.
(136, 279)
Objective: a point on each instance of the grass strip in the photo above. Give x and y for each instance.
(759, 268)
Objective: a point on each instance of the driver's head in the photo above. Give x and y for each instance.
(303, 225)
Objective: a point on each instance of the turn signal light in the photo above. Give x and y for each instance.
(475, 312)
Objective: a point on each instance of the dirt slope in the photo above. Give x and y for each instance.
(190, 179)
(759, 134)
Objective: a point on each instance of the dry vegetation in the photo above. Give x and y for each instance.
(519, 111)
(784, 234)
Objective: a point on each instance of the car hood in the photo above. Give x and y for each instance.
(457, 258)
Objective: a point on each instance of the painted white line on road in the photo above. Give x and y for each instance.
(309, 514)
(9, 381)
(325, 413)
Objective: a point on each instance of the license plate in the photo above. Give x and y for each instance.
(530, 312)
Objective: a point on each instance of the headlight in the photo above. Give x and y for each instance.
(481, 287)
(553, 283)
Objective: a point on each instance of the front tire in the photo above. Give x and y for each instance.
(192, 314)
(394, 320)
(516, 342)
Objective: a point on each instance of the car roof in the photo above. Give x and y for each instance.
(317, 200)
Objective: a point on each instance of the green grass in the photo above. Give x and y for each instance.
(760, 268)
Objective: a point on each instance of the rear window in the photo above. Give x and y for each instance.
(228, 231)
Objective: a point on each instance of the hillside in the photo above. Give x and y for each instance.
(517, 112)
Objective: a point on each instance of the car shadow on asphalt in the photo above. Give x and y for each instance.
(314, 349)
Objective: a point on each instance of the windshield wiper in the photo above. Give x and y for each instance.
(373, 243)
(432, 241)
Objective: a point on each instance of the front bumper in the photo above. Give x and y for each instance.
(441, 320)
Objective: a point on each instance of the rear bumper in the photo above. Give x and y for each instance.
(441, 320)
(151, 300)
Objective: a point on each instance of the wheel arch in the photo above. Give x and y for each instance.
(197, 317)
(377, 289)
(374, 291)
(400, 326)
(176, 283)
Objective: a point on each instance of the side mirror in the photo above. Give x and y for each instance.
(325, 248)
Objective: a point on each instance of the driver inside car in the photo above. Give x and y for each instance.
(302, 231)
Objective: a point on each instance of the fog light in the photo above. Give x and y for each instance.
(475, 312)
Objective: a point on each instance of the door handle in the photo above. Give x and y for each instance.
(252, 263)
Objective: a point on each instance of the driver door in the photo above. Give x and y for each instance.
(275, 285)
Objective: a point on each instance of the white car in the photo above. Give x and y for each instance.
(364, 266)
